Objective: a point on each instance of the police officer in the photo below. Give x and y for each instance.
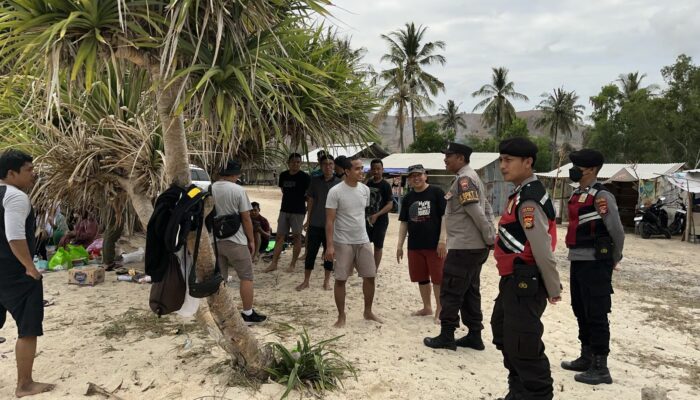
(595, 238)
(525, 261)
(467, 234)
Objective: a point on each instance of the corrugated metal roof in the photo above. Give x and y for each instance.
(622, 172)
(434, 161)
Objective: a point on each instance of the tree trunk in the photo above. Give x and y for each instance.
(498, 127)
(401, 146)
(139, 200)
(413, 122)
(243, 347)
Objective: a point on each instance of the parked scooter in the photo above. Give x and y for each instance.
(653, 221)
(677, 227)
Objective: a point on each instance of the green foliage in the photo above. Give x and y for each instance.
(560, 113)
(498, 110)
(450, 118)
(486, 145)
(517, 128)
(314, 367)
(631, 125)
(544, 153)
(430, 138)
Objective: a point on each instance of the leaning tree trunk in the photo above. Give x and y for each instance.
(240, 342)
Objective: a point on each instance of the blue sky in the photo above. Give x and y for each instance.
(545, 44)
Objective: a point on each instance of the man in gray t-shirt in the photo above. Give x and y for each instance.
(236, 251)
(347, 239)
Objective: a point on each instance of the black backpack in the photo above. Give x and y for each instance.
(176, 213)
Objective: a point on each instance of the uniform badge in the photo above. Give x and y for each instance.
(464, 183)
(582, 198)
(528, 221)
(602, 205)
(467, 191)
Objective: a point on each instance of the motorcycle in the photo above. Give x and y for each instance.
(677, 227)
(653, 221)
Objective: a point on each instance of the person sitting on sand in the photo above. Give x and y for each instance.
(346, 237)
(84, 233)
(421, 217)
(261, 230)
(21, 288)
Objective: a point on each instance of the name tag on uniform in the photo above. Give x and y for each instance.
(582, 198)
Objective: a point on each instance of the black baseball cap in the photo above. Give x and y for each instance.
(233, 167)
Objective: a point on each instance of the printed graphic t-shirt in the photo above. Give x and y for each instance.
(423, 212)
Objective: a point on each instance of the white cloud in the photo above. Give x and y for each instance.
(579, 45)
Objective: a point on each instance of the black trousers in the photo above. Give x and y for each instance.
(591, 289)
(517, 332)
(460, 290)
(316, 237)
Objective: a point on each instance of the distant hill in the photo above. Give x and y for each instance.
(390, 134)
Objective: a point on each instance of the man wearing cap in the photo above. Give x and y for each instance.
(236, 251)
(595, 238)
(467, 234)
(527, 234)
(294, 183)
(421, 215)
(316, 221)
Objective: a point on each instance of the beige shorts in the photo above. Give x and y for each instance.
(354, 256)
(287, 221)
(236, 256)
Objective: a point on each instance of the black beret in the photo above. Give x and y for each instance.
(456, 148)
(518, 147)
(587, 158)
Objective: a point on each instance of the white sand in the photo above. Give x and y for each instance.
(655, 330)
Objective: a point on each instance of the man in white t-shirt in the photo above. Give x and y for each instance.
(236, 251)
(347, 239)
(21, 288)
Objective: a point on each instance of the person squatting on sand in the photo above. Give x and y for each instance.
(346, 238)
(595, 238)
(527, 235)
(21, 288)
(421, 215)
(315, 225)
(294, 182)
(468, 228)
(261, 230)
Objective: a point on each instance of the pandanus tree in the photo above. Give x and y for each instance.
(228, 75)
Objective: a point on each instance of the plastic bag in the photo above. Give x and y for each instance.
(95, 248)
(134, 257)
(61, 260)
(78, 253)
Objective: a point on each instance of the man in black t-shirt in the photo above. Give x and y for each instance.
(380, 204)
(421, 217)
(294, 183)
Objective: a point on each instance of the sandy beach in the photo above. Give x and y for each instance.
(107, 335)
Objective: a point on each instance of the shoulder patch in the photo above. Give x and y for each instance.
(528, 221)
(602, 205)
(467, 190)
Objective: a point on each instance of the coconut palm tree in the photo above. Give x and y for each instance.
(560, 113)
(498, 110)
(397, 95)
(631, 83)
(406, 52)
(215, 66)
(450, 118)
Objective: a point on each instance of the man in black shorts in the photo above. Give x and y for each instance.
(380, 203)
(21, 289)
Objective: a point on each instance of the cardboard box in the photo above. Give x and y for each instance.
(90, 275)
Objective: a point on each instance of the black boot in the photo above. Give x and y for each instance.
(472, 340)
(446, 340)
(598, 372)
(580, 364)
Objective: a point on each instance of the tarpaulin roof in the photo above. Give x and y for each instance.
(622, 172)
(399, 162)
(688, 181)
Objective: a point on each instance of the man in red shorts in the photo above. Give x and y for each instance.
(421, 217)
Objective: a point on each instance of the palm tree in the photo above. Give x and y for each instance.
(396, 94)
(498, 110)
(221, 66)
(560, 113)
(407, 53)
(631, 83)
(450, 118)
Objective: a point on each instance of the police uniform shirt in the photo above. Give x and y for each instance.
(535, 223)
(606, 205)
(469, 217)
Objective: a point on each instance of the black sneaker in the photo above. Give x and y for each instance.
(253, 318)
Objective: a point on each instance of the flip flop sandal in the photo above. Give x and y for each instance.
(121, 271)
